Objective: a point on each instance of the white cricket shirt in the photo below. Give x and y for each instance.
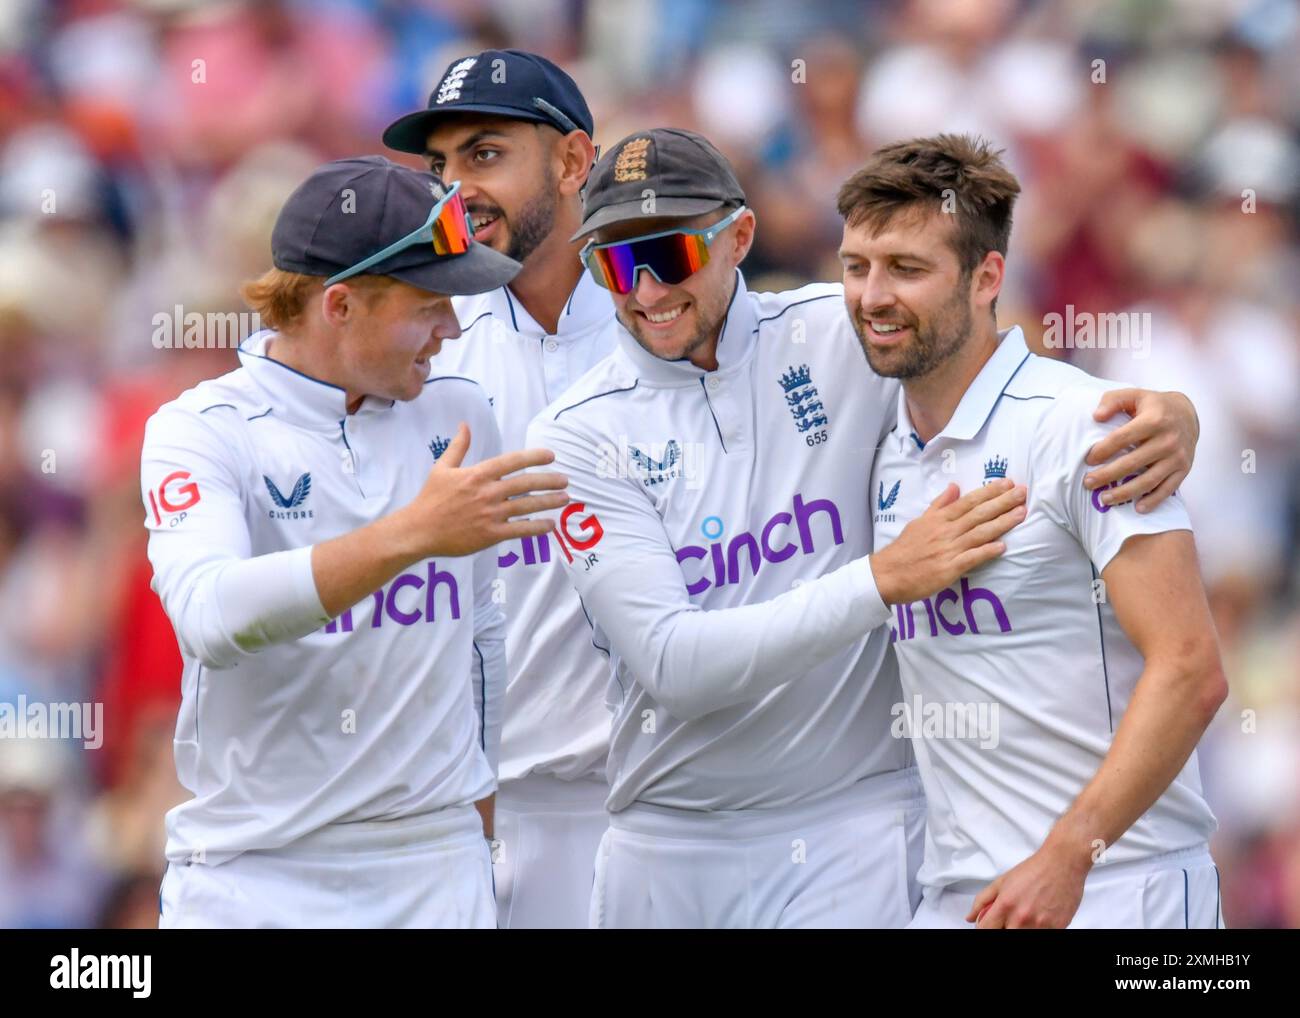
(717, 535)
(1016, 677)
(555, 719)
(290, 722)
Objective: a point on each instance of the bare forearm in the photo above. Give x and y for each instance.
(1169, 712)
(349, 568)
(459, 511)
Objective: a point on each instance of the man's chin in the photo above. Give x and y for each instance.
(888, 363)
(411, 386)
(666, 348)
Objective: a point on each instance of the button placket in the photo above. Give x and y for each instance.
(554, 368)
(728, 401)
(348, 458)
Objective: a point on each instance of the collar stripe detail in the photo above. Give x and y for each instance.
(294, 371)
(807, 300)
(466, 328)
(609, 392)
(705, 389)
(514, 322)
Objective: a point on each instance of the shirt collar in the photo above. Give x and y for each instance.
(588, 305)
(735, 342)
(296, 396)
(980, 397)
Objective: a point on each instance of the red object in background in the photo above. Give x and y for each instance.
(1087, 266)
(107, 128)
(142, 664)
(142, 672)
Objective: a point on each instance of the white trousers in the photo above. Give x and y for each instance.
(1175, 891)
(846, 861)
(547, 832)
(430, 871)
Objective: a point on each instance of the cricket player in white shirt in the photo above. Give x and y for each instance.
(1056, 693)
(719, 538)
(515, 132)
(322, 528)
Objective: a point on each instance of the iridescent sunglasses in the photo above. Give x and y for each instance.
(449, 228)
(670, 257)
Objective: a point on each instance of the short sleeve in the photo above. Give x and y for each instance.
(1060, 444)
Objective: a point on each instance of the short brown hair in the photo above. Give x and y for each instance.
(926, 172)
(279, 297)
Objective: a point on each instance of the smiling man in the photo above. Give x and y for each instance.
(1091, 635)
(720, 538)
(515, 132)
(331, 585)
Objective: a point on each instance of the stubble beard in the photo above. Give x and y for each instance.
(535, 220)
(932, 344)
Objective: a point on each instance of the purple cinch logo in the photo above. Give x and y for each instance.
(967, 597)
(1096, 495)
(385, 601)
(532, 551)
(761, 547)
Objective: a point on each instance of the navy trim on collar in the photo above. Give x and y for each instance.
(514, 322)
(609, 392)
(465, 328)
(806, 300)
(295, 371)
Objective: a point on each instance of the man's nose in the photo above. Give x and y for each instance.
(468, 189)
(649, 290)
(448, 325)
(877, 292)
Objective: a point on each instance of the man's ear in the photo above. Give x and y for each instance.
(338, 304)
(988, 279)
(744, 235)
(576, 155)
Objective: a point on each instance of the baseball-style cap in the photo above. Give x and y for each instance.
(350, 209)
(506, 82)
(685, 173)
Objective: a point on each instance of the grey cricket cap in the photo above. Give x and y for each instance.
(686, 175)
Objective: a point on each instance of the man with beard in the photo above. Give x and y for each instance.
(515, 131)
(720, 539)
(1091, 634)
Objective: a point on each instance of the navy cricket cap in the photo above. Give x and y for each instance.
(350, 209)
(505, 82)
(686, 174)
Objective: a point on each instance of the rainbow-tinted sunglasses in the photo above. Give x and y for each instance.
(670, 257)
(449, 228)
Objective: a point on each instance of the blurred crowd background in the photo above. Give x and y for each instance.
(1158, 142)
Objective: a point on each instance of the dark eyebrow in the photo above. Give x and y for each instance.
(470, 142)
(898, 256)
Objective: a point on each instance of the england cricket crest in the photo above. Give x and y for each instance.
(802, 400)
